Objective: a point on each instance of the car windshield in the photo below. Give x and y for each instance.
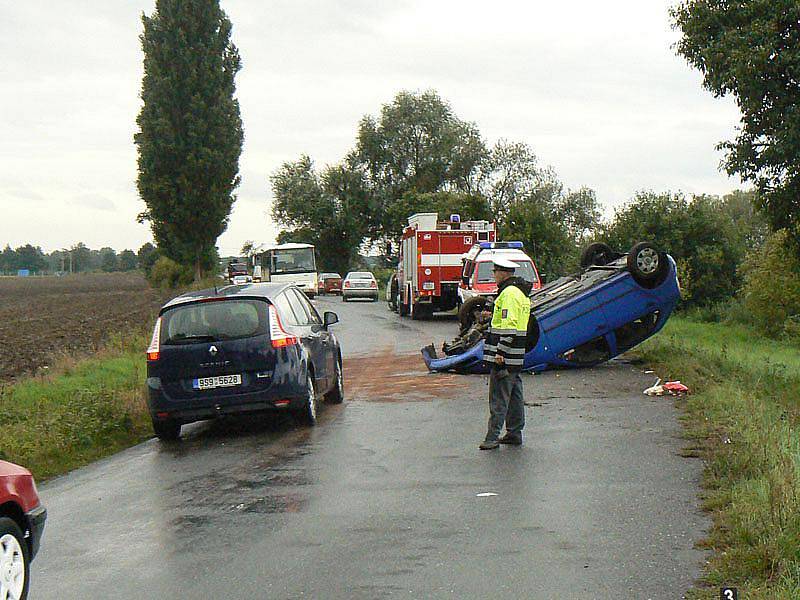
(524, 271)
(296, 260)
(360, 275)
(238, 267)
(214, 321)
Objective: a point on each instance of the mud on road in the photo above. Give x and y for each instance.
(389, 377)
(43, 318)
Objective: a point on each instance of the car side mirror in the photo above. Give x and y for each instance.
(329, 318)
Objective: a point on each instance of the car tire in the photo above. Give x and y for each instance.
(344, 298)
(469, 311)
(647, 265)
(597, 255)
(308, 414)
(336, 395)
(167, 430)
(14, 555)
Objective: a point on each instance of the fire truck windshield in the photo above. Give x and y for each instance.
(295, 260)
(525, 271)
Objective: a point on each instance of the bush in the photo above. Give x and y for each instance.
(167, 274)
(771, 292)
(705, 235)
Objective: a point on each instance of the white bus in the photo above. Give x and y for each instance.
(290, 263)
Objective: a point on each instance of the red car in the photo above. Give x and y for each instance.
(22, 519)
(330, 283)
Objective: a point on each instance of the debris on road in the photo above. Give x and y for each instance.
(671, 388)
(485, 495)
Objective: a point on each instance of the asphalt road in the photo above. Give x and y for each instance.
(381, 499)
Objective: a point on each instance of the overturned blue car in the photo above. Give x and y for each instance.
(616, 302)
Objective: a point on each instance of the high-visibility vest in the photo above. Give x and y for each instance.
(509, 328)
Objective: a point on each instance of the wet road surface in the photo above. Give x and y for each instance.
(381, 498)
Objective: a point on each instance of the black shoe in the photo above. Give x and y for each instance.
(489, 445)
(511, 440)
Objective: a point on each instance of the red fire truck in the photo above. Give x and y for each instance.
(431, 260)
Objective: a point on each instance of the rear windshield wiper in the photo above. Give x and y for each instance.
(188, 339)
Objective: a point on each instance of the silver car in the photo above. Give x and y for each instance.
(359, 284)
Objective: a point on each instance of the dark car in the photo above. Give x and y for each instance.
(615, 303)
(241, 349)
(22, 519)
(237, 273)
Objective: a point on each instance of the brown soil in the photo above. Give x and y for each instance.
(44, 317)
(388, 377)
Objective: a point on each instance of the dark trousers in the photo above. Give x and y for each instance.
(505, 404)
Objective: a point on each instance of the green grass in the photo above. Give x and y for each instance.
(84, 410)
(743, 418)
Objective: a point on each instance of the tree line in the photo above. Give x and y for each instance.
(417, 155)
(77, 259)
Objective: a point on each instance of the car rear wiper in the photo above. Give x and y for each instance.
(188, 339)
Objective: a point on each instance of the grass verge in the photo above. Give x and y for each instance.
(84, 410)
(743, 419)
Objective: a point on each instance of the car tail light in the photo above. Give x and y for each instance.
(153, 351)
(373, 284)
(346, 284)
(280, 338)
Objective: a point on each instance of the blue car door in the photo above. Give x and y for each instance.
(313, 337)
(329, 344)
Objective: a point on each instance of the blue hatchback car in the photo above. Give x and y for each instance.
(618, 301)
(241, 349)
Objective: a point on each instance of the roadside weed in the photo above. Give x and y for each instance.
(744, 419)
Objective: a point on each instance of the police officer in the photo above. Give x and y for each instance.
(504, 350)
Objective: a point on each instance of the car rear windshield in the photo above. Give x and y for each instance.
(360, 275)
(525, 271)
(214, 321)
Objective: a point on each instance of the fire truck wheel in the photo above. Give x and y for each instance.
(470, 310)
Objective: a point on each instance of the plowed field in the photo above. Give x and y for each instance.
(44, 317)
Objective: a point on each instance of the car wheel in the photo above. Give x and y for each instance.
(14, 561)
(308, 414)
(336, 395)
(167, 430)
(470, 311)
(597, 255)
(344, 298)
(646, 264)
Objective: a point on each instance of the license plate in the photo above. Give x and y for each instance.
(207, 383)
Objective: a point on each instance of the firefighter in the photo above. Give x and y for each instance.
(504, 350)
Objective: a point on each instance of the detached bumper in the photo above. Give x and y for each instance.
(36, 519)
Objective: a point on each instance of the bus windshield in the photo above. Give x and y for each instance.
(295, 260)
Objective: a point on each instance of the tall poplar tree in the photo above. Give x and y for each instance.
(190, 130)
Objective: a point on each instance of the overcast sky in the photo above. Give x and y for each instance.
(594, 87)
